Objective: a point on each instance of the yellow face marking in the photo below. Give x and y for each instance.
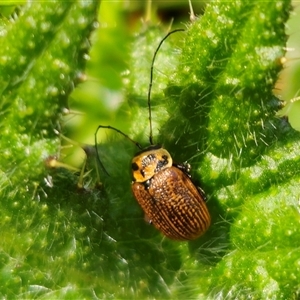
(146, 163)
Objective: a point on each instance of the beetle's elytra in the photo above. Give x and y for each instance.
(168, 196)
(164, 190)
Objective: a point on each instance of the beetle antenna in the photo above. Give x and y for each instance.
(117, 130)
(151, 79)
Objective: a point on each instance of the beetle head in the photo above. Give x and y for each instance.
(150, 161)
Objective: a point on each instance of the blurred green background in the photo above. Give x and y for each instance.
(288, 85)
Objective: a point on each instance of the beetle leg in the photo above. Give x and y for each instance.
(184, 167)
(201, 192)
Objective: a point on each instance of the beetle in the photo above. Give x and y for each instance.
(165, 190)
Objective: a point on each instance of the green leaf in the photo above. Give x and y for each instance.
(212, 105)
(219, 112)
(42, 57)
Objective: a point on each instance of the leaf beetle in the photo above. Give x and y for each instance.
(163, 189)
